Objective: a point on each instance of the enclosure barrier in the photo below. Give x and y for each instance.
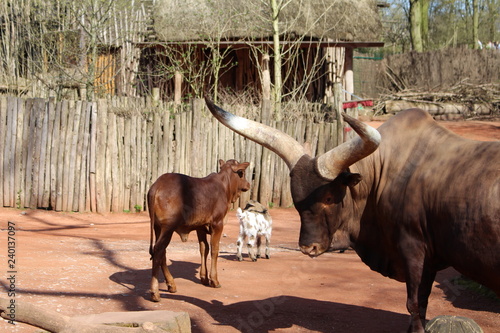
(103, 156)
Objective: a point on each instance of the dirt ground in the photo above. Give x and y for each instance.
(79, 263)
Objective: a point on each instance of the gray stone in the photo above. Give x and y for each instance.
(452, 324)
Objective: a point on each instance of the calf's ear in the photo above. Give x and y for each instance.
(351, 179)
(240, 166)
(221, 163)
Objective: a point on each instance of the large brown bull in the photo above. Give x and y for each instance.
(182, 204)
(426, 199)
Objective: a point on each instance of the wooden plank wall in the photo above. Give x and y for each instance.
(103, 156)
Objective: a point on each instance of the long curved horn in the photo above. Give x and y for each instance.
(280, 143)
(333, 162)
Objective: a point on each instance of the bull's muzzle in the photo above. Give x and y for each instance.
(313, 250)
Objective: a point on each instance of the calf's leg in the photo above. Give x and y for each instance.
(203, 243)
(215, 240)
(160, 260)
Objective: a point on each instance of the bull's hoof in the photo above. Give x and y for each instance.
(268, 256)
(205, 281)
(172, 289)
(254, 259)
(155, 297)
(240, 258)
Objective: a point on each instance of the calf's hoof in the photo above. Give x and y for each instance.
(172, 289)
(155, 297)
(215, 284)
(268, 256)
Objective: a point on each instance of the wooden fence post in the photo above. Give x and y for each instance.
(338, 98)
(101, 143)
(3, 143)
(81, 156)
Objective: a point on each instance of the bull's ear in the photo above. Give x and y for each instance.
(351, 179)
(221, 163)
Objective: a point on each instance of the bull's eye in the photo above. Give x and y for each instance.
(328, 200)
(240, 173)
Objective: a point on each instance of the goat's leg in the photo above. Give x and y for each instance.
(204, 249)
(268, 251)
(259, 243)
(239, 244)
(250, 246)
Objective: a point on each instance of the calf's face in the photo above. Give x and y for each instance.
(237, 179)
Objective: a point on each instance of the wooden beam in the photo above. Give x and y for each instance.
(236, 44)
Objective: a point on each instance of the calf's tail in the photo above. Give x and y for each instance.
(151, 218)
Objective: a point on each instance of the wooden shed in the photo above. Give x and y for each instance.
(316, 38)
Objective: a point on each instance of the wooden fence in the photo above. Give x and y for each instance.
(103, 156)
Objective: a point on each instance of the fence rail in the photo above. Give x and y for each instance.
(103, 156)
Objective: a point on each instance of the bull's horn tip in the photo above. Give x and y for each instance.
(208, 100)
(345, 115)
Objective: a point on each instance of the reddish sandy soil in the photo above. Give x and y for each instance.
(76, 263)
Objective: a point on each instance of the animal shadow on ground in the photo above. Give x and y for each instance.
(231, 256)
(285, 311)
(462, 297)
(138, 281)
(268, 314)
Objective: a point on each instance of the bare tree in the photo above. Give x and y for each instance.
(60, 43)
(416, 25)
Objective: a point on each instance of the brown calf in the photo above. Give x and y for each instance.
(182, 204)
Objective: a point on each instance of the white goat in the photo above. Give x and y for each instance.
(255, 222)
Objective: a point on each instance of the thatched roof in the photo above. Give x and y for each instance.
(340, 20)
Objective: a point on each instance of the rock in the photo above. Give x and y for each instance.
(452, 324)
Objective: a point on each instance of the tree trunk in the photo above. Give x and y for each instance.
(277, 60)
(492, 16)
(416, 25)
(55, 322)
(475, 24)
(424, 7)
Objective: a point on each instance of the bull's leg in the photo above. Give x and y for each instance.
(414, 273)
(424, 291)
(214, 242)
(202, 240)
(413, 308)
(159, 260)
